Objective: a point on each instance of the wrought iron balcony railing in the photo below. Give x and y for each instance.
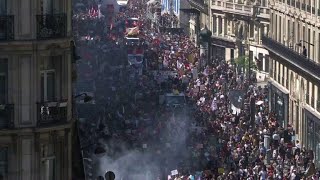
(6, 116)
(50, 26)
(292, 56)
(200, 5)
(50, 113)
(6, 27)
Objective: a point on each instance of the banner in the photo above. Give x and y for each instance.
(132, 31)
(235, 97)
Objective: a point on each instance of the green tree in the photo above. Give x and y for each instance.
(243, 63)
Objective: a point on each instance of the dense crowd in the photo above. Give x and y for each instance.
(234, 145)
(243, 142)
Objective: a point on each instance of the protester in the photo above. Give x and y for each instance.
(227, 140)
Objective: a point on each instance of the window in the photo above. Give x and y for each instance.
(266, 59)
(251, 25)
(318, 47)
(282, 75)
(232, 54)
(260, 62)
(312, 96)
(313, 42)
(46, 6)
(48, 163)
(220, 26)
(287, 79)
(3, 80)
(292, 32)
(309, 41)
(3, 7)
(47, 85)
(288, 36)
(214, 22)
(49, 78)
(307, 92)
(318, 99)
(3, 162)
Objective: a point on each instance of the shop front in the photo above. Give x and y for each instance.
(279, 102)
(222, 48)
(312, 133)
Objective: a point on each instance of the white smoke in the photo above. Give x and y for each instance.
(159, 156)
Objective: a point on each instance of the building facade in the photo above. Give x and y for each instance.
(294, 48)
(237, 27)
(197, 17)
(35, 89)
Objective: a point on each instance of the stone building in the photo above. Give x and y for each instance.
(294, 47)
(237, 27)
(35, 89)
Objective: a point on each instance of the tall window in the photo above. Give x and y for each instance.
(251, 26)
(46, 6)
(3, 162)
(3, 7)
(48, 163)
(48, 79)
(48, 85)
(220, 26)
(312, 96)
(318, 99)
(309, 41)
(260, 62)
(307, 93)
(318, 48)
(214, 24)
(3, 80)
(266, 59)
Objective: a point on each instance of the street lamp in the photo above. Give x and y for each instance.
(205, 40)
(86, 97)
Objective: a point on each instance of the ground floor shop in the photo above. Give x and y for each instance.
(311, 132)
(279, 102)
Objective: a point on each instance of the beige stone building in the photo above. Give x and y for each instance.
(294, 47)
(237, 27)
(35, 89)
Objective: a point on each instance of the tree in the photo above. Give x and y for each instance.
(243, 63)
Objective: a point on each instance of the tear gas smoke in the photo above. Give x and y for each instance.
(163, 152)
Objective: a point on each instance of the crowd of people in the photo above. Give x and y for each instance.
(234, 143)
(224, 141)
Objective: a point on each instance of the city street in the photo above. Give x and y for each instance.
(161, 111)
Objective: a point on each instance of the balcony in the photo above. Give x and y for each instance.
(200, 5)
(51, 26)
(6, 116)
(52, 113)
(292, 56)
(6, 27)
(231, 7)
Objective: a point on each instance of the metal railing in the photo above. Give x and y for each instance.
(235, 7)
(292, 56)
(6, 27)
(50, 113)
(50, 26)
(199, 4)
(6, 116)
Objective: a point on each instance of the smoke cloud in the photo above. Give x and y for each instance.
(163, 153)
